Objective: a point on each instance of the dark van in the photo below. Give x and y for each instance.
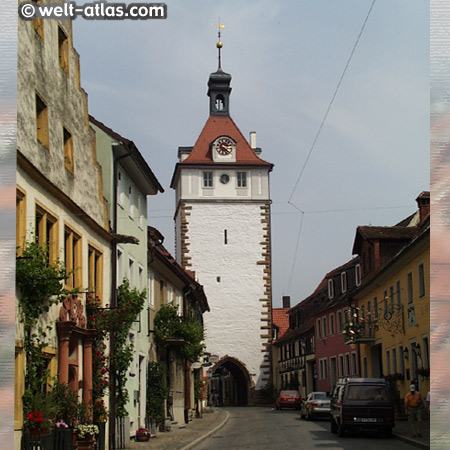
(361, 404)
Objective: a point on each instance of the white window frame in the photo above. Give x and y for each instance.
(339, 321)
(324, 327)
(341, 365)
(140, 277)
(120, 272)
(120, 190)
(131, 277)
(358, 274)
(131, 201)
(141, 205)
(344, 282)
(208, 179)
(241, 179)
(330, 288)
(150, 298)
(332, 324)
(319, 328)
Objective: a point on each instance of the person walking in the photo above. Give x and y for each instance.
(413, 403)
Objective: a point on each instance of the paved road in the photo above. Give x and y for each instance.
(262, 428)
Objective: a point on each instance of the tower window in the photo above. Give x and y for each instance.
(220, 103)
(63, 50)
(225, 237)
(207, 179)
(242, 179)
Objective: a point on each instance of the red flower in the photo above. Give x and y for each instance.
(35, 416)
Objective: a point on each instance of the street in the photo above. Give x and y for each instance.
(265, 428)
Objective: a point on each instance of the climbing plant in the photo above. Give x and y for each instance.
(156, 393)
(187, 330)
(38, 287)
(115, 321)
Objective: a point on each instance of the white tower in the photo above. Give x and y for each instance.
(222, 223)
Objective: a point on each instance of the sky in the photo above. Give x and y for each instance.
(147, 80)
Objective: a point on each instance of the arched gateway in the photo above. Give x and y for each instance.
(231, 381)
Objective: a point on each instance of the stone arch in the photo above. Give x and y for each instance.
(232, 381)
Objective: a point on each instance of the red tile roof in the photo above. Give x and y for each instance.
(280, 318)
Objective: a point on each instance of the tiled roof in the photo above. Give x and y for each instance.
(223, 126)
(280, 319)
(371, 232)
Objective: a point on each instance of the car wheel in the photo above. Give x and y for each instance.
(333, 426)
(341, 431)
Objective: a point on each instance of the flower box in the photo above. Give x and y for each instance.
(142, 435)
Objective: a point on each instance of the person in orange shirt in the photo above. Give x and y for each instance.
(413, 403)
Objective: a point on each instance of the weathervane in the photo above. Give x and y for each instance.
(219, 44)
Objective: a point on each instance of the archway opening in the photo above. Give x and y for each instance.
(230, 383)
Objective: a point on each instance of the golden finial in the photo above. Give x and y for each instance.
(219, 44)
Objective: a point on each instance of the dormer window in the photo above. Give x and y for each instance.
(330, 288)
(358, 274)
(344, 282)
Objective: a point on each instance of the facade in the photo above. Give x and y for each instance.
(222, 223)
(60, 201)
(169, 283)
(394, 302)
(127, 182)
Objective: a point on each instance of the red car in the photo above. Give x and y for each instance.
(289, 399)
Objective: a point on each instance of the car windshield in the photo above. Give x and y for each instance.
(368, 393)
(289, 394)
(319, 396)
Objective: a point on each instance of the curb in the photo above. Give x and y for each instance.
(201, 438)
(411, 441)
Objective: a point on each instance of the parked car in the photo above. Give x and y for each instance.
(314, 405)
(361, 404)
(289, 399)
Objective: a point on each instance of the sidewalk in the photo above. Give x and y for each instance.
(184, 438)
(402, 431)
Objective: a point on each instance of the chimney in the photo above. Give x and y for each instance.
(423, 201)
(253, 139)
(286, 301)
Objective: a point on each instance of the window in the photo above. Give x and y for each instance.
(331, 324)
(141, 278)
(365, 369)
(63, 50)
(401, 360)
(391, 299)
(46, 232)
(242, 179)
(68, 151)
(341, 365)
(323, 369)
(319, 330)
(120, 273)
(95, 271)
(131, 272)
(358, 274)
(339, 321)
(207, 179)
(131, 202)
(120, 189)
(394, 360)
(385, 302)
(72, 258)
(21, 217)
(421, 280)
(324, 327)
(150, 289)
(409, 284)
(42, 122)
(388, 361)
(141, 204)
(330, 288)
(347, 365)
(399, 299)
(375, 307)
(37, 23)
(425, 352)
(344, 282)
(354, 365)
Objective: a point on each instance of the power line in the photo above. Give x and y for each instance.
(332, 100)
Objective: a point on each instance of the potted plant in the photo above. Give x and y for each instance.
(142, 435)
(40, 416)
(85, 433)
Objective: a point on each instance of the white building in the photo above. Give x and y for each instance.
(223, 233)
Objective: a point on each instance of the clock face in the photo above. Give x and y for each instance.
(224, 178)
(224, 146)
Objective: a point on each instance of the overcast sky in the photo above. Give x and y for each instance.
(148, 81)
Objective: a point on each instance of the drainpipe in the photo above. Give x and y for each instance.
(187, 366)
(112, 398)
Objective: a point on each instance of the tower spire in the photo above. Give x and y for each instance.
(219, 44)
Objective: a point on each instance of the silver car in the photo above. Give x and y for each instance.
(314, 405)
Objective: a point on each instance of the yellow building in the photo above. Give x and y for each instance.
(394, 300)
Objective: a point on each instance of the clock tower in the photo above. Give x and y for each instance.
(223, 234)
